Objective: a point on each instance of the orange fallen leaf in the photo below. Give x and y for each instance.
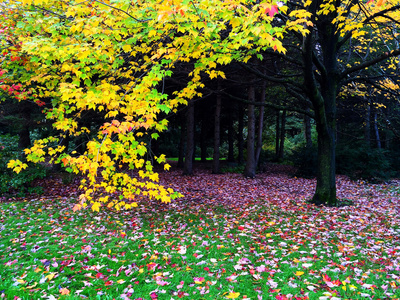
(64, 291)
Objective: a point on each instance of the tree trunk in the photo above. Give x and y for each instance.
(367, 130)
(24, 138)
(282, 137)
(203, 139)
(277, 134)
(250, 168)
(231, 157)
(260, 124)
(376, 130)
(308, 137)
(322, 93)
(325, 192)
(181, 154)
(240, 134)
(188, 165)
(217, 132)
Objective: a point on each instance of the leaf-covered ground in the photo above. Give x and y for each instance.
(229, 238)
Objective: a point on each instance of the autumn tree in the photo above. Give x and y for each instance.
(344, 41)
(111, 58)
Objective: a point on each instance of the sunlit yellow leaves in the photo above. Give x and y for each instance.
(97, 60)
(127, 48)
(16, 165)
(235, 22)
(83, 54)
(299, 273)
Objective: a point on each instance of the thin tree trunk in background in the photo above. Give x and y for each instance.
(231, 157)
(188, 165)
(217, 133)
(181, 154)
(250, 168)
(367, 129)
(240, 134)
(376, 130)
(260, 123)
(282, 138)
(307, 125)
(203, 139)
(277, 133)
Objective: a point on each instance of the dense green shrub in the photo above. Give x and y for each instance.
(17, 184)
(360, 161)
(356, 161)
(305, 160)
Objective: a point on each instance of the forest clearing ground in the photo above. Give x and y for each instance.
(228, 238)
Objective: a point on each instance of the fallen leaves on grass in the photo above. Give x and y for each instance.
(230, 237)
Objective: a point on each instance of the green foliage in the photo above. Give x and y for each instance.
(359, 161)
(305, 160)
(356, 161)
(12, 183)
(233, 168)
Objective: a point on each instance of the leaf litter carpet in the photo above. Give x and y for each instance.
(229, 237)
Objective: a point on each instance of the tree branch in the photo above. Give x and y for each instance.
(367, 64)
(271, 105)
(123, 11)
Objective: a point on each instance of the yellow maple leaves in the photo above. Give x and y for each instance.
(99, 61)
(232, 295)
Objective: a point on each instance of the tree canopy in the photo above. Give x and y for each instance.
(111, 58)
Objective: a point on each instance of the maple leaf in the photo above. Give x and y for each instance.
(198, 280)
(271, 11)
(299, 273)
(96, 206)
(76, 207)
(64, 291)
(232, 295)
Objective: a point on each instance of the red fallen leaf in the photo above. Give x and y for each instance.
(326, 278)
(153, 296)
(151, 266)
(206, 269)
(336, 282)
(108, 283)
(240, 227)
(99, 275)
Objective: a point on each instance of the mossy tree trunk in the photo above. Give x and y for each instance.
(322, 90)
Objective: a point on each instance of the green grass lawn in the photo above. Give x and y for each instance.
(257, 251)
